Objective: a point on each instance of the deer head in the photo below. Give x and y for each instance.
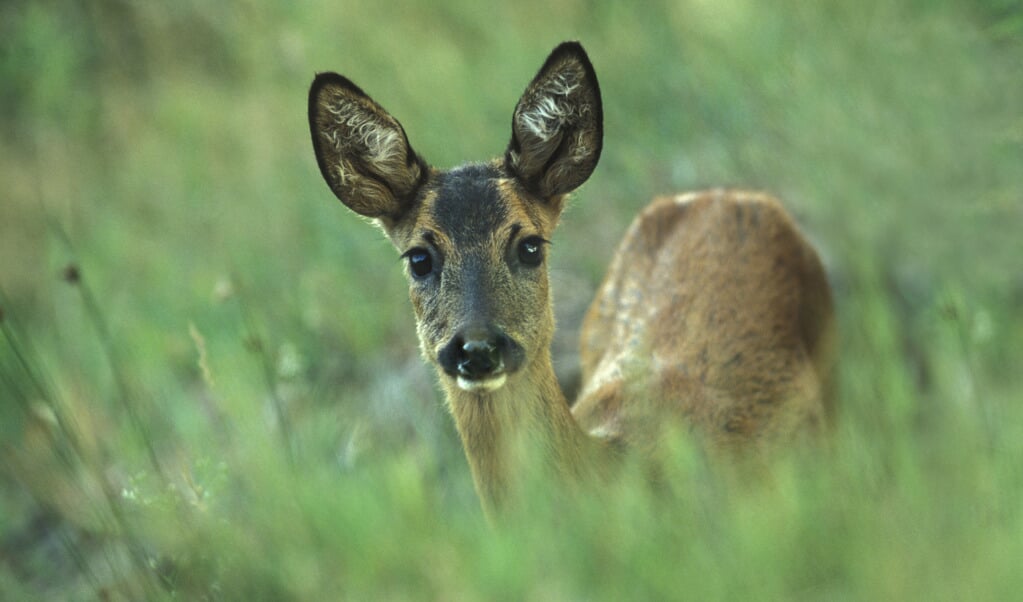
(474, 237)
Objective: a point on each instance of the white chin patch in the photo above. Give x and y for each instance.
(482, 386)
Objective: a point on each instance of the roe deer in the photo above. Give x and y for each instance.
(715, 312)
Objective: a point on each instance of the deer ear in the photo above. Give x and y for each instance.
(557, 127)
(362, 151)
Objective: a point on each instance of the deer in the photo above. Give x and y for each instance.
(715, 313)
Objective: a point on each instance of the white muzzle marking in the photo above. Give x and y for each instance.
(482, 386)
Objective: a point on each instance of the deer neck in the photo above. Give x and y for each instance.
(520, 432)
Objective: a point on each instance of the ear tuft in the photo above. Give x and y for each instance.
(557, 127)
(362, 151)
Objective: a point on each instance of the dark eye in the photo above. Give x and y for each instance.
(420, 262)
(531, 251)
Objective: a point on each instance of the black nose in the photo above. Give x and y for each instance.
(476, 353)
(478, 359)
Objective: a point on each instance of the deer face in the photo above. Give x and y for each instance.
(477, 274)
(474, 238)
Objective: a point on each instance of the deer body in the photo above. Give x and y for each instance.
(715, 311)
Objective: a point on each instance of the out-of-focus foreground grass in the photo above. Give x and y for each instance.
(209, 386)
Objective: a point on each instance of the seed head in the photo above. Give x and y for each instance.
(71, 274)
(253, 344)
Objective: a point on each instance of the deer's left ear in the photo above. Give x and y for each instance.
(362, 150)
(557, 127)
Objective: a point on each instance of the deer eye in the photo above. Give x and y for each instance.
(531, 251)
(419, 262)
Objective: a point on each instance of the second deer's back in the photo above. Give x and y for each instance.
(715, 311)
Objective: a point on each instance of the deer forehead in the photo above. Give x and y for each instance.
(477, 207)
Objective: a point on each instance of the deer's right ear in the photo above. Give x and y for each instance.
(362, 151)
(557, 128)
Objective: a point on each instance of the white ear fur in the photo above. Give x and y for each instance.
(551, 109)
(379, 144)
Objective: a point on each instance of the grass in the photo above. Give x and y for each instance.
(228, 403)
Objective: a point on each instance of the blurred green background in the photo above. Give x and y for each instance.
(210, 383)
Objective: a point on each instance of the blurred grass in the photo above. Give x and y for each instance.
(169, 142)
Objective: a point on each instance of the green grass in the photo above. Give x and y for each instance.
(230, 405)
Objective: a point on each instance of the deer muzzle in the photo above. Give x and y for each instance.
(480, 358)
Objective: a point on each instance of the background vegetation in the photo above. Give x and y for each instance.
(209, 384)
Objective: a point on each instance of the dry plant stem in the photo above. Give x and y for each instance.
(69, 449)
(267, 370)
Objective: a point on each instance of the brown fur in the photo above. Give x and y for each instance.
(715, 313)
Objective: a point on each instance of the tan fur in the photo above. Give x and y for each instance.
(715, 314)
